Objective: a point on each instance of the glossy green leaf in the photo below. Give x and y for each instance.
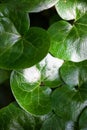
(17, 51)
(69, 102)
(31, 86)
(29, 94)
(31, 6)
(71, 9)
(74, 74)
(19, 44)
(14, 118)
(69, 42)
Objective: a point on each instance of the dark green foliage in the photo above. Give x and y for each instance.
(48, 76)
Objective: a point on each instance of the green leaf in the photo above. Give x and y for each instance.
(12, 117)
(17, 51)
(31, 6)
(69, 102)
(74, 74)
(69, 42)
(71, 9)
(19, 44)
(33, 85)
(28, 92)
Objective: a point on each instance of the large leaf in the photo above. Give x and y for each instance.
(74, 74)
(29, 94)
(31, 6)
(69, 42)
(71, 9)
(17, 51)
(12, 117)
(18, 44)
(31, 86)
(68, 102)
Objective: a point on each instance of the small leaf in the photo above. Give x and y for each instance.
(69, 42)
(71, 9)
(12, 117)
(74, 74)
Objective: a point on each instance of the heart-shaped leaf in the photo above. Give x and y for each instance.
(31, 86)
(69, 42)
(68, 102)
(71, 9)
(17, 51)
(29, 94)
(74, 74)
(12, 117)
(20, 47)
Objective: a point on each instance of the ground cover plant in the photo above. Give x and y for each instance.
(43, 61)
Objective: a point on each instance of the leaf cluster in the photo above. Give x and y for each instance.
(49, 67)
